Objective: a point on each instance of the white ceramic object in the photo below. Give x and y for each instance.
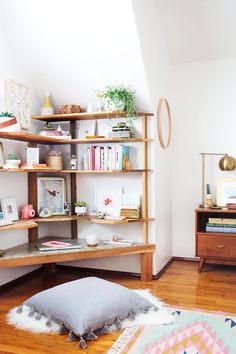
(92, 240)
(110, 106)
(80, 210)
(12, 164)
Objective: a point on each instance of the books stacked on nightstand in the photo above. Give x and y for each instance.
(221, 225)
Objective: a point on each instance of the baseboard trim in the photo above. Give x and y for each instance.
(159, 274)
(19, 279)
(100, 272)
(186, 259)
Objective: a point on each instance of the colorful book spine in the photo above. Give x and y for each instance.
(227, 230)
(123, 156)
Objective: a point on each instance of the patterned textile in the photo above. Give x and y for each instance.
(194, 332)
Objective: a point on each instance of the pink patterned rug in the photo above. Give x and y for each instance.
(194, 332)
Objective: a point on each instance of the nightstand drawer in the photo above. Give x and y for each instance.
(216, 246)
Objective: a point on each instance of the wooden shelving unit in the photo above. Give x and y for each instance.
(24, 255)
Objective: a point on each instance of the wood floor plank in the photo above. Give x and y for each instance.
(181, 285)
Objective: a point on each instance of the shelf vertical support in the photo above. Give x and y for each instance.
(145, 179)
(73, 183)
(32, 199)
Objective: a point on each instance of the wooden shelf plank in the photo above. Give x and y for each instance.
(28, 254)
(20, 225)
(44, 170)
(28, 137)
(223, 211)
(39, 139)
(94, 219)
(85, 116)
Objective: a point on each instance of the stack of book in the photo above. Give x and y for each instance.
(105, 157)
(222, 225)
(130, 211)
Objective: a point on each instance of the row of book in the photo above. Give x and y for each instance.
(105, 157)
(222, 225)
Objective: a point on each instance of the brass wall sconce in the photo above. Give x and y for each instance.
(226, 163)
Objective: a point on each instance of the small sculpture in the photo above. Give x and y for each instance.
(70, 108)
(45, 213)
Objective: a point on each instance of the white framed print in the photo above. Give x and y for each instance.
(108, 199)
(52, 195)
(9, 209)
(17, 102)
(86, 128)
(226, 191)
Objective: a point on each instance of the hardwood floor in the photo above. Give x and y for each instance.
(181, 284)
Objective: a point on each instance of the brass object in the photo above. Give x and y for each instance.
(226, 163)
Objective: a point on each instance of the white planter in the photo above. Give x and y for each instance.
(80, 210)
(111, 107)
(14, 125)
(12, 164)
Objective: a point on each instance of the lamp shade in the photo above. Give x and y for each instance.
(227, 163)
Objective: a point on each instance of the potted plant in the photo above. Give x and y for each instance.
(80, 207)
(119, 98)
(12, 161)
(8, 122)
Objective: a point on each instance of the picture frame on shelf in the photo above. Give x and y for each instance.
(52, 194)
(108, 200)
(86, 128)
(17, 102)
(9, 209)
(226, 191)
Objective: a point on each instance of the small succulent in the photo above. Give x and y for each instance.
(11, 157)
(7, 114)
(80, 203)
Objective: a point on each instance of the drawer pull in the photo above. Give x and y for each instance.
(220, 246)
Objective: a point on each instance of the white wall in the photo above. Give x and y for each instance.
(12, 185)
(156, 62)
(203, 97)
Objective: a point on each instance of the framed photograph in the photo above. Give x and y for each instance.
(86, 128)
(1, 156)
(18, 102)
(52, 195)
(226, 191)
(108, 200)
(9, 209)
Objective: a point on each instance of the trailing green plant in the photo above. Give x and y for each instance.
(118, 95)
(80, 203)
(7, 114)
(12, 157)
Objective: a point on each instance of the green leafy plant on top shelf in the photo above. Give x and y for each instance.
(80, 203)
(12, 157)
(7, 114)
(120, 98)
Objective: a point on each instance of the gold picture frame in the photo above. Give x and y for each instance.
(225, 191)
(17, 102)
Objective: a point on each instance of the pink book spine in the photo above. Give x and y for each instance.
(93, 157)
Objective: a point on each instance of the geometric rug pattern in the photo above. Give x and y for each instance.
(194, 332)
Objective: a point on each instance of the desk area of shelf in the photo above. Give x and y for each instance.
(27, 254)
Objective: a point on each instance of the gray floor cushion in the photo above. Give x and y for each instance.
(86, 306)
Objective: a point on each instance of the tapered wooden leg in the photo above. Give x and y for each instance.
(146, 266)
(201, 264)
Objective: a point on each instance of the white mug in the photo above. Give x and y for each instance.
(92, 240)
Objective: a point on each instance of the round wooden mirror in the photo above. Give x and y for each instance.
(163, 101)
